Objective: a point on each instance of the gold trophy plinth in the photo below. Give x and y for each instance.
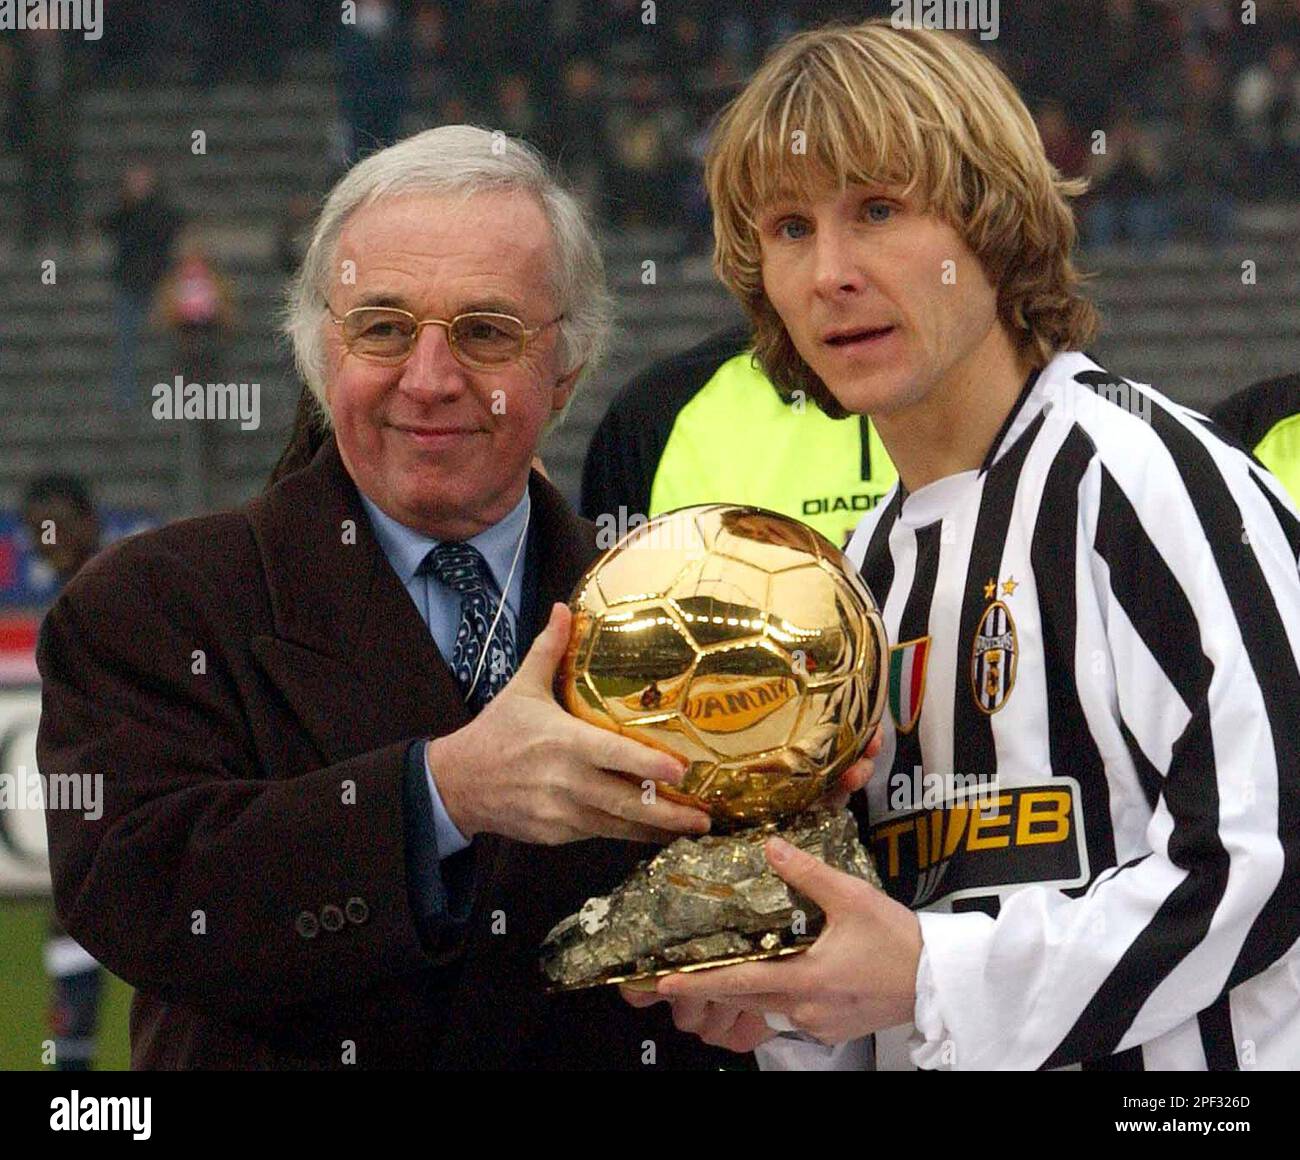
(744, 643)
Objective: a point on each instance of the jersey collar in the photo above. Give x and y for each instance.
(1018, 418)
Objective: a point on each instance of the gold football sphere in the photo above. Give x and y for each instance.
(741, 641)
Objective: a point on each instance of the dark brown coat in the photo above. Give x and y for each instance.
(247, 685)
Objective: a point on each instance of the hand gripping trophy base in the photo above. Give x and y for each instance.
(703, 902)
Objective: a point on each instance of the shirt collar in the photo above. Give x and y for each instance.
(930, 502)
(1013, 426)
(406, 548)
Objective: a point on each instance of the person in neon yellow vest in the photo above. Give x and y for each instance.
(707, 426)
(1266, 418)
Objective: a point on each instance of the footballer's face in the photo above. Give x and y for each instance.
(885, 303)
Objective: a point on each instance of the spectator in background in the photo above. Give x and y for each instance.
(737, 37)
(644, 136)
(780, 22)
(1204, 89)
(45, 118)
(815, 12)
(433, 63)
(1267, 106)
(1140, 50)
(1201, 157)
(258, 27)
(1055, 52)
(579, 107)
(683, 50)
(196, 303)
(64, 531)
(615, 32)
(1127, 185)
(135, 40)
(671, 439)
(456, 110)
(1064, 145)
(514, 109)
(1209, 25)
(374, 63)
(498, 37)
(142, 227)
(1286, 20)
(62, 523)
(693, 209)
(291, 234)
(1202, 150)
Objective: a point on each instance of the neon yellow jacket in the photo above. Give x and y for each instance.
(707, 426)
(1266, 418)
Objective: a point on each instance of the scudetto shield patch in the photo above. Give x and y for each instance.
(907, 681)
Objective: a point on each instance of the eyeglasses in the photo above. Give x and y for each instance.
(480, 340)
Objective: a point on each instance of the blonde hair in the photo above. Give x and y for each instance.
(919, 110)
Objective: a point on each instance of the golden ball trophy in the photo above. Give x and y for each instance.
(744, 643)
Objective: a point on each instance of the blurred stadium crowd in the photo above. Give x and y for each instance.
(1198, 113)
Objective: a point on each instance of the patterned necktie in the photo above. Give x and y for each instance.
(464, 571)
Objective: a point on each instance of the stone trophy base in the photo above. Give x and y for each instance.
(702, 902)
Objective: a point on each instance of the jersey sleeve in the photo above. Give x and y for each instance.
(1188, 572)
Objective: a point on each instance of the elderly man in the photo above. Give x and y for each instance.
(333, 834)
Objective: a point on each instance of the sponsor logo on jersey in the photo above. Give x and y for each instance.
(993, 658)
(985, 841)
(823, 504)
(907, 681)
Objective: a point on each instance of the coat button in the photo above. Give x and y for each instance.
(356, 910)
(307, 925)
(331, 917)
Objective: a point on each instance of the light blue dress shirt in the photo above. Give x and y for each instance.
(439, 606)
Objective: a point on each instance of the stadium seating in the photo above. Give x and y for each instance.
(1182, 319)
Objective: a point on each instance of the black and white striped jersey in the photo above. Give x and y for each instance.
(1090, 780)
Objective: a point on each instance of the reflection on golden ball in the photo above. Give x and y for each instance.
(738, 639)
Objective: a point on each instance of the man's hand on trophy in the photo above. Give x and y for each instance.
(528, 770)
(736, 1028)
(857, 978)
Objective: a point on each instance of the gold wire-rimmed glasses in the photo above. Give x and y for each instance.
(479, 339)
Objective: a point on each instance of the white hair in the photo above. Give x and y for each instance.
(464, 160)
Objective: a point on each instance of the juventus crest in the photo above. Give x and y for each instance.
(993, 658)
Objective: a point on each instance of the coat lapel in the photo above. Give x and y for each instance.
(560, 548)
(350, 652)
(357, 664)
